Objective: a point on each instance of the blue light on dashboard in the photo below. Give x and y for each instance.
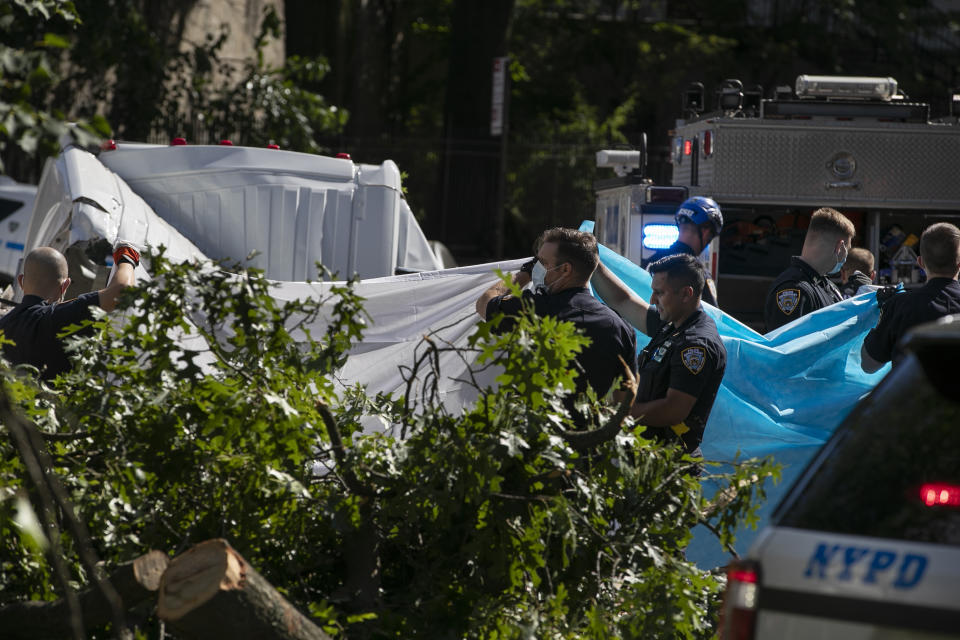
(659, 236)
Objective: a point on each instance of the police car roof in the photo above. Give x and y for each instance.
(945, 330)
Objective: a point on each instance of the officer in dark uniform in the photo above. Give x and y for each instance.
(560, 273)
(699, 220)
(681, 368)
(803, 287)
(940, 296)
(41, 316)
(857, 272)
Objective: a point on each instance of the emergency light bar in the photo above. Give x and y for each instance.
(859, 87)
(659, 236)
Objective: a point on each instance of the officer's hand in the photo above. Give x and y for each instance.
(884, 294)
(128, 252)
(527, 267)
(859, 278)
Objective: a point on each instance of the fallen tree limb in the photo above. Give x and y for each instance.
(210, 591)
(135, 581)
(583, 440)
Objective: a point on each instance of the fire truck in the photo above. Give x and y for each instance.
(853, 143)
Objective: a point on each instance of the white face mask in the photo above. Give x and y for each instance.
(538, 275)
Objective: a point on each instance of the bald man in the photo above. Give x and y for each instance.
(36, 322)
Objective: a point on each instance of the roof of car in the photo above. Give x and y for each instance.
(945, 330)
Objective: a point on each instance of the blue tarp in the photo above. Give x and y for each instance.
(782, 394)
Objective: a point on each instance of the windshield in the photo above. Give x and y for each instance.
(874, 477)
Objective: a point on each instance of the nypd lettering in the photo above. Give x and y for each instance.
(866, 565)
(693, 359)
(788, 299)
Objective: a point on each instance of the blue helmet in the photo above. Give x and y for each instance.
(699, 211)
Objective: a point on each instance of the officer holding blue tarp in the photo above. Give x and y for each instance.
(940, 296)
(699, 220)
(680, 370)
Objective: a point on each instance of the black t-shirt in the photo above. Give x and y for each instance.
(689, 358)
(797, 291)
(33, 326)
(937, 298)
(675, 249)
(609, 335)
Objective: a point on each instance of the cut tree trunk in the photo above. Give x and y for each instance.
(210, 591)
(135, 582)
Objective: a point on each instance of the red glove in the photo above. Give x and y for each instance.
(126, 253)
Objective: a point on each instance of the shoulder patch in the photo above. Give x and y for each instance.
(788, 299)
(694, 358)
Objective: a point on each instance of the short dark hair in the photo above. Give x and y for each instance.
(860, 259)
(940, 247)
(683, 270)
(830, 222)
(576, 247)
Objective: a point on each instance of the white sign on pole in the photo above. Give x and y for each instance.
(497, 100)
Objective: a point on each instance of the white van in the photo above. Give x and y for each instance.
(16, 205)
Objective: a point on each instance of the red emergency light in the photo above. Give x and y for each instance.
(178, 142)
(687, 147)
(226, 143)
(934, 494)
(343, 156)
(273, 146)
(707, 143)
(108, 145)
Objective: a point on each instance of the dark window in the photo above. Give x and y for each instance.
(867, 479)
(8, 207)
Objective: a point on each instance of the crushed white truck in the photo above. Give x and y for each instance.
(289, 210)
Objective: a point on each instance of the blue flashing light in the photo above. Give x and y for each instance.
(659, 236)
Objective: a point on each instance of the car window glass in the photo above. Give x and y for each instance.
(8, 207)
(868, 478)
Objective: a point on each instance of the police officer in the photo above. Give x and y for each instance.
(940, 296)
(565, 260)
(681, 368)
(699, 221)
(34, 324)
(804, 287)
(856, 272)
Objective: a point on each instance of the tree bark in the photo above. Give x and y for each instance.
(210, 591)
(135, 581)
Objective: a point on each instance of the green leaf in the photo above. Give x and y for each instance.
(55, 41)
(31, 531)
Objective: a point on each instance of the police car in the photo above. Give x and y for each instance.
(16, 207)
(866, 544)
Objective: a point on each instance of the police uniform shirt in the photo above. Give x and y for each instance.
(689, 358)
(676, 249)
(937, 298)
(796, 292)
(33, 326)
(609, 334)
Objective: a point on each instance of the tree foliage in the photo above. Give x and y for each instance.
(33, 33)
(214, 411)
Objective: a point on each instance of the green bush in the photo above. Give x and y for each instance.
(490, 522)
